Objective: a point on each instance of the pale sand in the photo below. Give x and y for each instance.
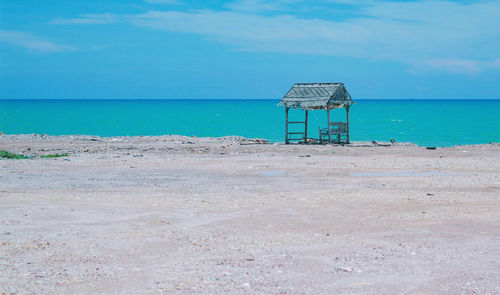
(173, 214)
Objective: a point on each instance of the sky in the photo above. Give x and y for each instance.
(248, 49)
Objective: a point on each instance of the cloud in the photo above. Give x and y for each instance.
(439, 35)
(456, 65)
(93, 19)
(496, 63)
(410, 32)
(163, 2)
(282, 33)
(32, 43)
(259, 5)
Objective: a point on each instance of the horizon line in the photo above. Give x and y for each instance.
(41, 99)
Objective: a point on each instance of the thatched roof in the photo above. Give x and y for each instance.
(317, 96)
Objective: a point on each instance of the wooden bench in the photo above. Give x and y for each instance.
(337, 134)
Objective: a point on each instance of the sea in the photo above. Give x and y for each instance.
(424, 122)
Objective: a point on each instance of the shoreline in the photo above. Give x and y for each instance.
(182, 139)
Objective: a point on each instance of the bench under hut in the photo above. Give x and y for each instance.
(318, 96)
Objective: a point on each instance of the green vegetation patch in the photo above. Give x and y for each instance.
(55, 155)
(8, 155)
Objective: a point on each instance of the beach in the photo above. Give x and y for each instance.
(232, 215)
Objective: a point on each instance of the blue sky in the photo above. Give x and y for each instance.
(248, 48)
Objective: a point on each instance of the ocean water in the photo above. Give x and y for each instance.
(424, 122)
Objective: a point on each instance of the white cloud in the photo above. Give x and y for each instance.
(282, 33)
(441, 35)
(258, 5)
(456, 65)
(163, 2)
(104, 18)
(410, 32)
(496, 63)
(32, 43)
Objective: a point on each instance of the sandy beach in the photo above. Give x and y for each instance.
(187, 215)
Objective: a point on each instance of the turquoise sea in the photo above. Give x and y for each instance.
(424, 122)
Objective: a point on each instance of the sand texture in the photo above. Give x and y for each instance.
(186, 215)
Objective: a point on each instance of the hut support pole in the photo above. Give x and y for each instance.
(347, 111)
(305, 128)
(286, 125)
(329, 129)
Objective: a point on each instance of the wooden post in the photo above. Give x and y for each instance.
(329, 130)
(286, 125)
(347, 111)
(305, 128)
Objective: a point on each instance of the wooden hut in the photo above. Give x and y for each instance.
(318, 96)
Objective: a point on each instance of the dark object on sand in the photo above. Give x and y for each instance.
(393, 140)
(374, 142)
(431, 147)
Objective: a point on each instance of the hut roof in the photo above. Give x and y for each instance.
(316, 96)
